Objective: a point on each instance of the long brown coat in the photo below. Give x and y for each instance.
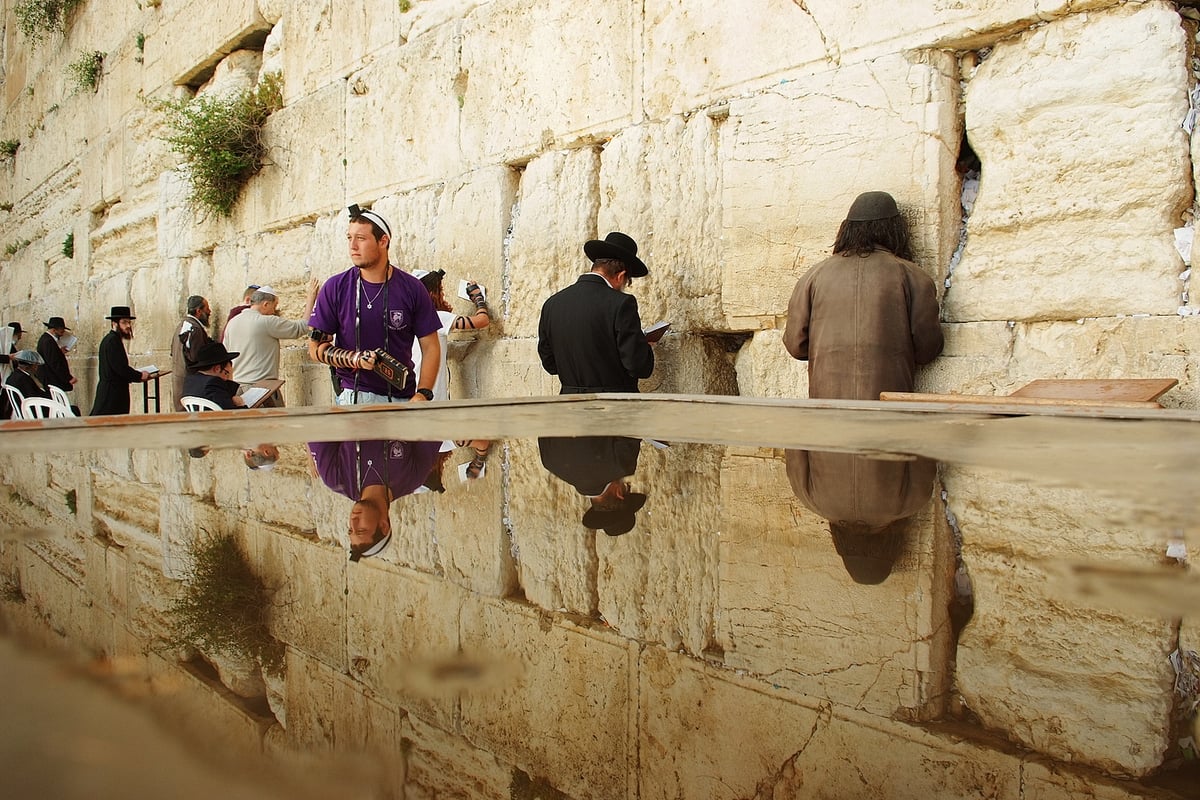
(863, 324)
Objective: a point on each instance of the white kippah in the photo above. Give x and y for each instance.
(378, 220)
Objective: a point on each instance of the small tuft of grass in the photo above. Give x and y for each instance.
(12, 248)
(68, 250)
(5, 207)
(72, 502)
(86, 70)
(38, 19)
(220, 141)
(405, 6)
(9, 148)
(223, 606)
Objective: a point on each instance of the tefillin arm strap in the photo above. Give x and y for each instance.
(338, 356)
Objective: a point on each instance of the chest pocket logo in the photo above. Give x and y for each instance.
(397, 320)
(398, 451)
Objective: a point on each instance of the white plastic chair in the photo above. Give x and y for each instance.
(16, 400)
(193, 403)
(41, 408)
(61, 396)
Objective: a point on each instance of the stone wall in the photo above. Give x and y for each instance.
(497, 137)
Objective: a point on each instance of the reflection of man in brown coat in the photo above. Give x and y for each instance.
(867, 316)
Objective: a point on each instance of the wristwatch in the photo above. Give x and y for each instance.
(426, 393)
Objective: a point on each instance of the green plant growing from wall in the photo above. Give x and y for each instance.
(12, 248)
(405, 6)
(37, 19)
(223, 605)
(6, 206)
(86, 70)
(140, 41)
(9, 148)
(68, 248)
(220, 141)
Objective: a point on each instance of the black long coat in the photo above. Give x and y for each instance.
(112, 391)
(55, 372)
(590, 463)
(590, 336)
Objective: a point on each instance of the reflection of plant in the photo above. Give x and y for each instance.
(8, 149)
(405, 6)
(141, 48)
(220, 140)
(37, 19)
(68, 250)
(85, 71)
(5, 206)
(223, 606)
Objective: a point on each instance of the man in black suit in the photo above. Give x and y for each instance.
(590, 334)
(598, 466)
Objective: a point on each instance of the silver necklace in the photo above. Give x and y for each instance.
(371, 300)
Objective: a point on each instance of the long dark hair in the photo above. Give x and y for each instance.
(862, 238)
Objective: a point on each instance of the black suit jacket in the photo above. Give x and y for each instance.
(112, 390)
(590, 463)
(590, 336)
(55, 371)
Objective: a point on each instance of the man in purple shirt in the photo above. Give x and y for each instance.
(374, 306)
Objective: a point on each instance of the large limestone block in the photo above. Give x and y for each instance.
(658, 583)
(507, 368)
(401, 626)
(695, 52)
(1021, 659)
(200, 33)
(1098, 174)
(790, 612)
(181, 521)
(584, 748)
(764, 368)
(218, 726)
(708, 734)
(555, 553)
(401, 119)
(473, 215)
(474, 548)
(796, 157)
(124, 238)
(304, 174)
(562, 186)
(695, 364)
(130, 512)
(307, 48)
(306, 584)
(441, 764)
(580, 88)
(661, 185)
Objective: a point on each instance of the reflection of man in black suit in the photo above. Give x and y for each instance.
(866, 500)
(372, 474)
(590, 334)
(597, 466)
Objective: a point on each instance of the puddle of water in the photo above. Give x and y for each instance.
(709, 597)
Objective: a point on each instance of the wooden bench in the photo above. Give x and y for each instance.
(1108, 392)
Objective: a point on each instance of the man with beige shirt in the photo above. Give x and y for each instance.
(256, 332)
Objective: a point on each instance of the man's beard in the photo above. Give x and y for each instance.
(124, 334)
(204, 319)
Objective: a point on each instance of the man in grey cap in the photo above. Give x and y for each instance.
(865, 317)
(256, 333)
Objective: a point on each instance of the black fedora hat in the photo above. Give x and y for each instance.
(120, 312)
(212, 354)
(16, 327)
(615, 520)
(619, 246)
(56, 322)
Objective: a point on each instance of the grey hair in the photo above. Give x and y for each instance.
(258, 297)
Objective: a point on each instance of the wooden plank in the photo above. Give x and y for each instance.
(1011, 400)
(1130, 389)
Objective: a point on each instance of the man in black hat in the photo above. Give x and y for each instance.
(112, 390)
(211, 377)
(867, 316)
(54, 371)
(597, 467)
(590, 334)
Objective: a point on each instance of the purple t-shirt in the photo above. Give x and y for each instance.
(403, 303)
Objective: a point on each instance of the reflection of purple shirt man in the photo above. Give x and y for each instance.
(374, 305)
(372, 474)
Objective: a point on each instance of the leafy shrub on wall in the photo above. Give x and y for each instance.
(37, 19)
(220, 141)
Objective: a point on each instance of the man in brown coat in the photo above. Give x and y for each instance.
(865, 317)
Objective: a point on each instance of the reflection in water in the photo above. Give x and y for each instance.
(867, 502)
(373, 474)
(597, 467)
(723, 648)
